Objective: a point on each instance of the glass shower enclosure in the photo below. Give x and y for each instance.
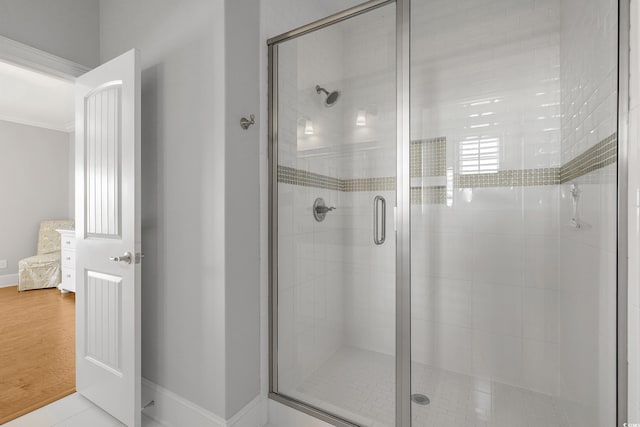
(444, 213)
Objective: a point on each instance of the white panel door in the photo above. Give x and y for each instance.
(108, 237)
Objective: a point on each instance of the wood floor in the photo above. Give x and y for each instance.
(37, 349)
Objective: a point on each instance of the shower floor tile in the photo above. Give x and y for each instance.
(359, 385)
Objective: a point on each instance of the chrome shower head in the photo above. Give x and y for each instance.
(332, 97)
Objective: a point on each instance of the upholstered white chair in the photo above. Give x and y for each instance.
(43, 270)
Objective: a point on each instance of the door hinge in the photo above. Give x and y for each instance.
(139, 256)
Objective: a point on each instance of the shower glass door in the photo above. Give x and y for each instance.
(505, 255)
(333, 197)
(513, 214)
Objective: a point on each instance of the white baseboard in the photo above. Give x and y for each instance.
(8, 280)
(172, 410)
(254, 414)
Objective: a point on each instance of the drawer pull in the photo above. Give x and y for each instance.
(68, 276)
(68, 242)
(68, 258)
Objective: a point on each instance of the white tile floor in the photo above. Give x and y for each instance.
(71, 411)
(359, 385)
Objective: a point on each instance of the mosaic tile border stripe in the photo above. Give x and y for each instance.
(600, 155)
(289, 175)
(428, 157)
(509, 178)
(387, 183)
(429, 195)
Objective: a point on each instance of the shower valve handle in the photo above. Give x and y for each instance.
(324, 209)
(320, 209)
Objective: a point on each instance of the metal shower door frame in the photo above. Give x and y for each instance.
(403, 201)
(622, 256)
(403, 256)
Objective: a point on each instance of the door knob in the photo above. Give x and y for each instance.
(127, 258)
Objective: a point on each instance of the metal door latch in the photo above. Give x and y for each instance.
(126, 258)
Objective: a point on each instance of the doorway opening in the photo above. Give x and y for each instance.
(37, 241)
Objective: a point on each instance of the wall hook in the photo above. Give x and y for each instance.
(245, 123)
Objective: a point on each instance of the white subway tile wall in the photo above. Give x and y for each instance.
(310, 301)
(587, 257)
(484, 285)
(335, 287)
(512, 277)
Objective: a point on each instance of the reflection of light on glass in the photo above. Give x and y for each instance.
(477, 102)
(550, 129)
(482, 403)
(361, 119)
(637, 210)
(550, 104)
(308, 127)
(449, 186)
(539, 93)
(467, 195)
(482, 125)
(488, 113)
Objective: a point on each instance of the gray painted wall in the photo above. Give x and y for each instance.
(183, 291)
(200, 193)
(242, 204)
(34, 185)
(67, 28)
(202, 223)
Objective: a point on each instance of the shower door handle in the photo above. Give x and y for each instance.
(379, 221)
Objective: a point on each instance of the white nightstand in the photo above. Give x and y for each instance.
(68, 261)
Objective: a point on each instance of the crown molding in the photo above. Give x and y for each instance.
(26, 56)
(70, 127)
(66, 127)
